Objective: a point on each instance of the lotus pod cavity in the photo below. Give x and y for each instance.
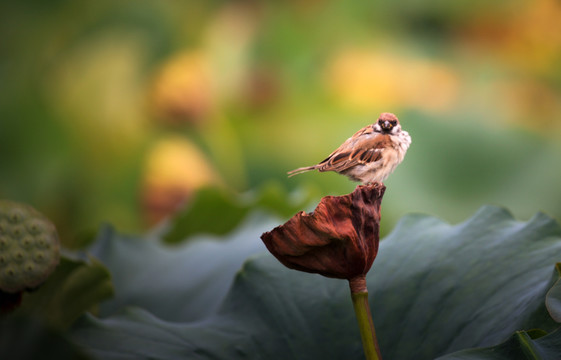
(29, 247)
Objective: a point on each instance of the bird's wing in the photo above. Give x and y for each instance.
(363, 148)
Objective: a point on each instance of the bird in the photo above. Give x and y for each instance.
(370, 155)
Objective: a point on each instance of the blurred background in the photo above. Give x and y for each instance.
(120, 111)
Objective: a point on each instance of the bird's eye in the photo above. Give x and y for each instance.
(393, 122)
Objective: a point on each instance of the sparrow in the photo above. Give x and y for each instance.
(370, 155)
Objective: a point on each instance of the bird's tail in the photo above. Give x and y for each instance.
(300, 170)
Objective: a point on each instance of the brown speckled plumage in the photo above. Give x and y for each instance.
(370, 155)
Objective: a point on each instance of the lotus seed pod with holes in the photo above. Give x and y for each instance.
(29, 247)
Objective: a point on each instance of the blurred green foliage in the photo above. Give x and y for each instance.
(87, 89)
(228, 211)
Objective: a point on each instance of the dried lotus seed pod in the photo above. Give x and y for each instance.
(29, 247)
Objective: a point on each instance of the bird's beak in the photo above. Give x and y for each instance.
(386, 125)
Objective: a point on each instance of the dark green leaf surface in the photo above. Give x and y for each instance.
(553, 299)
(434, 289)
(520, 346)
(24, 338)
(182, 282)
(453, 287)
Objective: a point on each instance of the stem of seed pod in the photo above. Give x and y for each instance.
(359, 295)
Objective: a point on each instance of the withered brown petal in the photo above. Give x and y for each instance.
(338, 239)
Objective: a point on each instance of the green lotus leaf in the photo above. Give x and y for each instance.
(183, 282)
(553, 298)
(522, 345)
(435, 289)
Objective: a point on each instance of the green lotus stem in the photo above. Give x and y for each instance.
(359, 295)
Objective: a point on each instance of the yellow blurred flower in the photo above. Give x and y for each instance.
(528, 36)
(527, 43)
(191, 84)
(174, 169)
(367, 80)
(183, 89)
(534, 37)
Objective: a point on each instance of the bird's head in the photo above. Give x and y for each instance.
(387, 123)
